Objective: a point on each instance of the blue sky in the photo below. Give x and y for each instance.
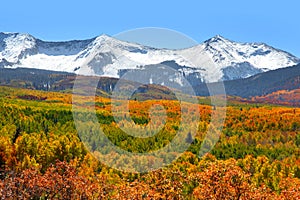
(273, 22)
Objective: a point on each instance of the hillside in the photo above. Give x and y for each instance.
(42, 155)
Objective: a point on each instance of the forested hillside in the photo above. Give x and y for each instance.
(41, 155)
(258, 85)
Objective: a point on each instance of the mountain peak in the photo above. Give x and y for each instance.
(216, 38)
(104, 36)
(106, 39)
(8, 34)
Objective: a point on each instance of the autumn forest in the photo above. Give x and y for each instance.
(42, 156)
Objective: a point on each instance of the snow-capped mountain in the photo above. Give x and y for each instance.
(240, 60)
(213, 60)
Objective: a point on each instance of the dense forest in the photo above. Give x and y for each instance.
(42, 156)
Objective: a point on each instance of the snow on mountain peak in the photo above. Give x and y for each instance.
(105, 55)
(227, 53)
(15, 46)
(216, 38)
(103, 39)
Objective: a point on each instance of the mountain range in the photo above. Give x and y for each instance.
(216, 59)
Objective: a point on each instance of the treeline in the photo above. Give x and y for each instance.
(258, 85)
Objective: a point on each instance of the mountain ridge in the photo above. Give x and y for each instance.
(108, 56)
